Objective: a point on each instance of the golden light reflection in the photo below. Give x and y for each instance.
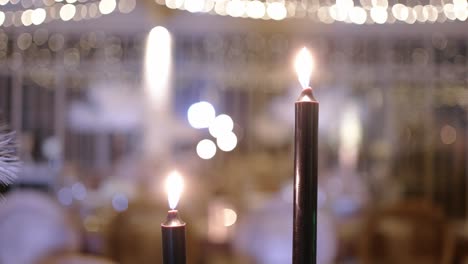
(304, 65)
(174, 188)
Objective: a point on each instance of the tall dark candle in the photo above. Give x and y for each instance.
(305, 179)
(173, 239)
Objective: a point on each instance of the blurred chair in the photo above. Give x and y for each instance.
(411, 232)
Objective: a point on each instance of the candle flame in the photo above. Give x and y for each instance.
(304, 65)
(174, 187)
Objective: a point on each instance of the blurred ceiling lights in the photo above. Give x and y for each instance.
(36, 12)
(347, 11)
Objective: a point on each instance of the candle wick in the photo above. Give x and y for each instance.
(307, 95)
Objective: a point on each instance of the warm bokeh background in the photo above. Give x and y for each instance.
(104, 99)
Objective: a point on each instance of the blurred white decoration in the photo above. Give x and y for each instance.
(201, 115)
(344, 187)
(157, 86)
(9, 166)
(158, 64)
(266, 233)
(33, 226)
(222, 124)
(227, 141)
(350, 135)
(109, 107)
(206, 149)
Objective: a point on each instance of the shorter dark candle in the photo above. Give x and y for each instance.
(173, 239)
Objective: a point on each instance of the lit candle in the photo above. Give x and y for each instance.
(173, 229)
(305, 166)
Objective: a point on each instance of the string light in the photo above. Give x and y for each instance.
(33, 13)
(347, 11)
(67, 12)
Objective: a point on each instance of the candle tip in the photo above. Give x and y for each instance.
(173, 219)
(307, 95)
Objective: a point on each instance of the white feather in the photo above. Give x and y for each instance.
(9, 164)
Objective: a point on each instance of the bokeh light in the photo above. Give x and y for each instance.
(38, 16)
(256, 9)
(120, 202)
(206, 149)
(65, 196)
(358, 15)
(230, 217)
(235, 8)
(222, 124)
(79, 191)
(201, 114)
(127, 6)
(67, 12)
(107, 6)
(277, 11)
(227, 141)
(448, 134)
(194, 5)
(379, 15)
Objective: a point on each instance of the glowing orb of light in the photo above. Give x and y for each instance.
(221, 125)
(227, 141)
(230, 217)
(206, 149)
(201, 114)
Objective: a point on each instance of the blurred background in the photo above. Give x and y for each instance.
(106, 97)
